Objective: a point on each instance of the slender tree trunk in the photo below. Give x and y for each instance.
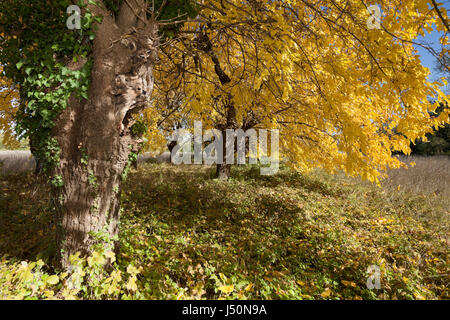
(171, 145)
(94, 135)
(223, 171)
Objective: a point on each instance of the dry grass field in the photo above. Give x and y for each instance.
(430, 175)
(16, 161)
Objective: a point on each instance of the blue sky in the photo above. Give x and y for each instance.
(428, 60)
(433, 38)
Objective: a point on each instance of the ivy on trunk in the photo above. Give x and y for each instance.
(79, 92)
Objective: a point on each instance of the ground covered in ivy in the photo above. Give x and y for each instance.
(185, 235)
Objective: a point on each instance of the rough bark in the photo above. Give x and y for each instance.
(94, 135)
(171, 145)
(223, 170)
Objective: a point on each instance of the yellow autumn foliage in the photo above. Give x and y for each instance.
(343, 95)
(8, 107)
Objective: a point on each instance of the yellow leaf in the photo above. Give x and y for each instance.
(132, 269)
(131, 284)
(111, 256)
(53, 280)
(348, 283)
(223, 277)
(326, 293)
(419, 296)
(301, 283)
(227, 289)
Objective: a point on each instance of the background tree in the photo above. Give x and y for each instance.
(8, 108)
(318, 72)
(437, 142)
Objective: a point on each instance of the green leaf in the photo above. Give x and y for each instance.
(53, 279)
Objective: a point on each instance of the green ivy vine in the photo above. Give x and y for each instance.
(38, 65)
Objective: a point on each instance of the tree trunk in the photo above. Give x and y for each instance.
(94, 135)
(223, 171)
(171, 145)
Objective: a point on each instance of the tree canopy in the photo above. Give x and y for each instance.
(333, 86)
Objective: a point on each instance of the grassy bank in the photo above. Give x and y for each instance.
(288, 236)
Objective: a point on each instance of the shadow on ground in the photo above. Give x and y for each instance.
(26, 225)
(288, 236)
